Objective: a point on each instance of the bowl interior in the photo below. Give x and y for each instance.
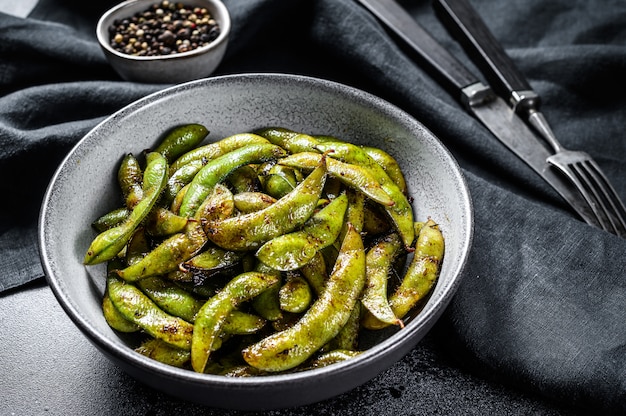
(85, 187)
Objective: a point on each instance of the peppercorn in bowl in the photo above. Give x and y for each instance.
(164, 41)
(232, 348)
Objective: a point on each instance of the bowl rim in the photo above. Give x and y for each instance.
(400, 340)
(103, 35)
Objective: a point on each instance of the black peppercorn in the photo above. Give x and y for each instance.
(164, 28)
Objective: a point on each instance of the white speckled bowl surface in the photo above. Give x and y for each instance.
(167, 69)
(85, 187)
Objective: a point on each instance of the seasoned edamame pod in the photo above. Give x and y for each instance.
(110, 242)
(294, 295)
(389, 164)
(219, 168)
(168, 255)
(245, 179)
(242, 323)
(379, 263)
(163, 352)
(163, 222)
(267, 303)
(315, 272)
(247, 202)
(279, 181)
(355, 176)
(323, 320)
(293, 250)
(139, 309)
(130, 179)
(401, 211)
(250, 231)
(213, 150)
(333, 357)
(211, 317)
(292, 141)
(180, 140)
(422, 272)
(111, 219)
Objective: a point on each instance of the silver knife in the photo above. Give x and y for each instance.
(479, 100)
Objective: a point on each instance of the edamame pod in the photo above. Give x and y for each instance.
(322, 321)
(111, 219)
(213, 150)
(218, 169)
(242, 323)
(245, 179)
(168, 255)
(110, 242)
(295, 294)
(250, 231)
(163, 352)
(267, 303)
(389, 164)
(293, 142)
(246, 202)
(163, 222)
(333, 357)
(170, 297)
(379, 263)
(401, 212)
(291, 251)
(130, 179)
(352, 175)
(211, 317)
(181, 178)
(138, 308)
(315, 272)
(180, 140)
(422, 272)
(279, 181)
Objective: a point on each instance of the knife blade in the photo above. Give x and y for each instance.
(478, 99)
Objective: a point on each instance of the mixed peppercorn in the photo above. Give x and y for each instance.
(165, 28)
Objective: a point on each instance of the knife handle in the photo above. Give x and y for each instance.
(466, 25)
(442, 65)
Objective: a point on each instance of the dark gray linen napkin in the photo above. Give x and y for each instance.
(542, 302)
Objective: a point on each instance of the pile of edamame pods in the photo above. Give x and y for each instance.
(261, 252)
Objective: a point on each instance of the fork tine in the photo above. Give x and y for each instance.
(610, 215)
(578, 174)
(617, 211)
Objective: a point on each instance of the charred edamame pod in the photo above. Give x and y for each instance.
(130, 179)
(292, 141)
(219, 168)
(110, 242)
(294, 295)
(247, 202)
(213, 314)
(323, 320)
(180, 140)
(250, 230)
(111, 219)
(291, 251)
(163, 352)
(389, 164)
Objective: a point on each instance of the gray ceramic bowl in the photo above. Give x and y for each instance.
(170, 69)
(85, 186)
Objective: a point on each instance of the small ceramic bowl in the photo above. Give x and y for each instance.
(169, 69)
(85, 187)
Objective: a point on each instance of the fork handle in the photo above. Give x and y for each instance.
(466, 25)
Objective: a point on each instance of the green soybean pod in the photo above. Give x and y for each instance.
(316, 273)
(245, 179)
(267, 304)
(168, 255)
(348, 336)
(279, 181)
(242, 323)
(180, 140)
(211, 317)
(181, 178)
(219, 168)
(139, 309)
(111, 219)
(246, 202)
(292, 141)
(379, 264)
(401, 211)
(163, 222)
(354, 176)
(389, 164)
(213, 150)
(130, 179)
(295, 294)
(422, 272)
(291, 251)
(170, 297)
(332, 357)
(163, 352)
(250, 231)
(322, 321)
(109, 243)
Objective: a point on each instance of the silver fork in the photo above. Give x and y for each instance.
(487, 53)
(585, 173)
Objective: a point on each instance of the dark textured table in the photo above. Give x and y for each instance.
(50, 368)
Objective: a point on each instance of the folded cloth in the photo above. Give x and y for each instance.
(542, 301)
